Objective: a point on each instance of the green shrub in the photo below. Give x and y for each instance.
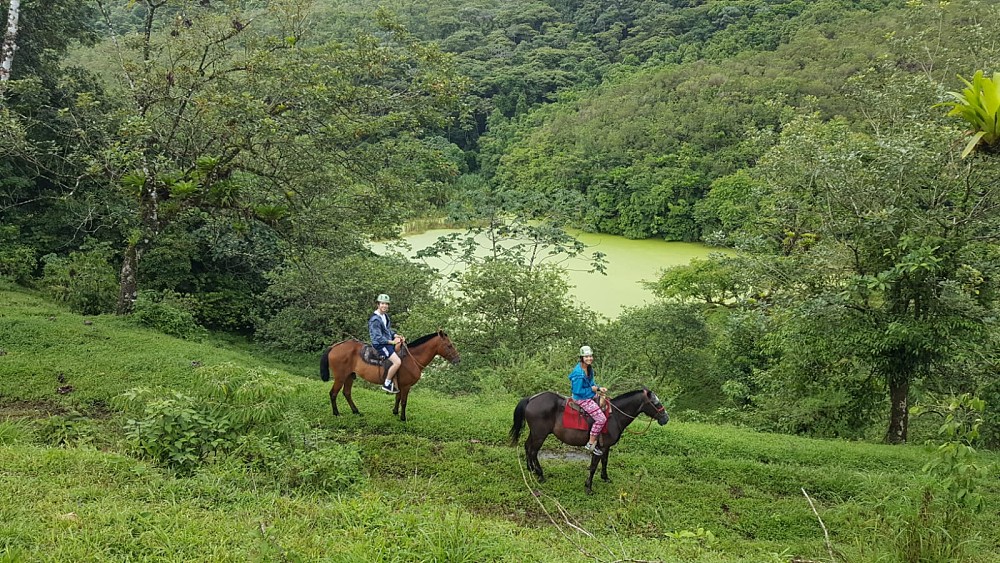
(327, 467)
(166, 312)
(17, 262)
(526, 375)
(71, 429)
(85, 280)
(182, 431)
(179, 431)
(307, 308)
(937, 525)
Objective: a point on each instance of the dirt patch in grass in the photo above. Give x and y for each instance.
(34, 410)
(20, 410)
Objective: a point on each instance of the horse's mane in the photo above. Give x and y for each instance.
(629, 394)
(424, 338)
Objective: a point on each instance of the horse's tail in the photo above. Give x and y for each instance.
(515, 430)
(324, 364)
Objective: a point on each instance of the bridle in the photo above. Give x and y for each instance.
(414, 360)
(645, 395)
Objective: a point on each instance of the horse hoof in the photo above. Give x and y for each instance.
(590, 491)
(606, 479)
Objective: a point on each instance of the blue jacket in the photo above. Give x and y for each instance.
(380, 333)
(582, 383)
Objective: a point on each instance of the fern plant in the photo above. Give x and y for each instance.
(979, 105)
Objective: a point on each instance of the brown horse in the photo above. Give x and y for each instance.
(544, 413)
(345, 360)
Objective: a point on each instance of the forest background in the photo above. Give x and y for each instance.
(223, 166)
(216, 170)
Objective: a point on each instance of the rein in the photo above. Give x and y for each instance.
(410, 355)
(640, 432)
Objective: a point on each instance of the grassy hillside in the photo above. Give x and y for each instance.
(444, 486)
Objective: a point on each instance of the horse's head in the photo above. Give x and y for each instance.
(447, 349)
(653, 408)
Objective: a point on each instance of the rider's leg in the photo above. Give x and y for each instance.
(591, 408)
(396, 362)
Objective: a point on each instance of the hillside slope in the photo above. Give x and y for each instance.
(444, 486)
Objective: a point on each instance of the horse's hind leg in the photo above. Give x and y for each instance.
(348, 385)
(337, 384)
(531, 454)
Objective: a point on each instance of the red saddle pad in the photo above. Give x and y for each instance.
(577, 420)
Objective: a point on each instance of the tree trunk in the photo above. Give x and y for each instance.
(9, 43)
(899, 412)
(127, 283)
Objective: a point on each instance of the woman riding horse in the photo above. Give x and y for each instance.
(544, 415)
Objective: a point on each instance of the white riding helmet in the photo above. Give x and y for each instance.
(382, 298)
(586, 351)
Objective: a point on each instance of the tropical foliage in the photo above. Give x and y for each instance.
(979, 105)
(225, 166)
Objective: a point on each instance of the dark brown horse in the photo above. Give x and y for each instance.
(344, 358)
(544, 413)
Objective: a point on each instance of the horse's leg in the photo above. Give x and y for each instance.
(395, 407)
(338, 382)
(594, 460)
(531, 447)
(531, 458)
(404, 392)
(348, 385)
(604, 465)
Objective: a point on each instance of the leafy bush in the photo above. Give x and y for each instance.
(17, 262)
(166, 312)
(182, 431)
(936, 526)
(507, 305)
(85, 280)
(331, 298)
(525, 375)
(71, 429)
(454, 381)
(328, 467)
(179, 431)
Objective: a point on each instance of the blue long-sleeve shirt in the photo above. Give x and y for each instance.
(583, 381)
(380, 333)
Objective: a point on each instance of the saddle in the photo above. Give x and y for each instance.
(370, 355)
(575, 418)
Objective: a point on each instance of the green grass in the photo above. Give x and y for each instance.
(443, 486)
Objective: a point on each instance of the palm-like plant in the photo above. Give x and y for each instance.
(979, 105)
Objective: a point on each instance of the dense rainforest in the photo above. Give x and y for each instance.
(223, 165)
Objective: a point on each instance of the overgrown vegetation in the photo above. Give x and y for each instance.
(220, 167)
(281, 478)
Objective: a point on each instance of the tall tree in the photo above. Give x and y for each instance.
(9, 43)
(884, 257)
(229, 109)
